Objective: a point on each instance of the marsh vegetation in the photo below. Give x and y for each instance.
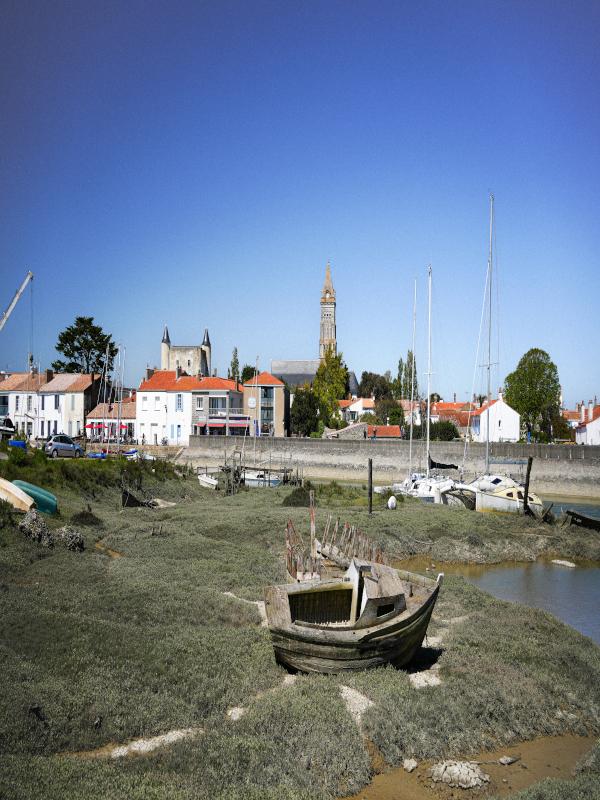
(97, 649)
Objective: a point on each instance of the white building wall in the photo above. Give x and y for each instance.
(151, 416)
(504, 424)
(589, 434)
(52, 417)
(179, 420)
(73, 408)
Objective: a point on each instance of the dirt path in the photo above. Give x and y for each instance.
(545, 757)
(106, 551)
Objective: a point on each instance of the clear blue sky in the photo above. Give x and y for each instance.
(198, 163)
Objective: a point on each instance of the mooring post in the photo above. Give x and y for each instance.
(526, 509)
(370, 486)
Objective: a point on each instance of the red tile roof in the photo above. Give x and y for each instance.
(459, 418)
(165, 380)
(345, 403)
(111, 411)
(483, 408)
(264, 379)
(23, 382)
(595, 415)
(384, 431)
(566, 414)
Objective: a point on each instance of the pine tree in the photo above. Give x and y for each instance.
(234, 369)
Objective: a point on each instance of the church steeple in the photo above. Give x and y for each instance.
(166, 339)
(327, 339)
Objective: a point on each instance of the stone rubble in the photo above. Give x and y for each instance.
(459, 774)
(34, 526)
(410, 764)
(506, 760)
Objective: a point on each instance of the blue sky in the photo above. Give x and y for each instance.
(198, 164)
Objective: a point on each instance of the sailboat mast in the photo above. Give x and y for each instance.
(489, 358)
(428, 363)
(412, 381)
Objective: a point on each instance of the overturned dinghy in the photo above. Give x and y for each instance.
(371, 616)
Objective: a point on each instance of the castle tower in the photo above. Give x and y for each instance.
(205, 354)
(165, 347)
(327, 339)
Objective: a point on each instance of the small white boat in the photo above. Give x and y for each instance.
(255, 477)
(208, 481)
(17, 498)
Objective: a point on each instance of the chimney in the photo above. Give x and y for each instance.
(149, 373)
(178, 373)
(454, 397)
(582, 412)
(590, 411)
(2, 376)
(500, 393)
(49, 375)
(214, 373)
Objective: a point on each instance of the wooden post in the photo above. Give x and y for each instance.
(313, 546)
(370, 486)
(526, 509)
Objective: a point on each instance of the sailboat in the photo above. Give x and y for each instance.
(490, 492)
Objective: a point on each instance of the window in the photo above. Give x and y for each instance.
(55, 426)
(72, 402)
(78, 427)
(189, 363)
(29, 401)
(199, 403)
(29, 428)
(179, 403)
(157, 402)
(144, 403)
(43, 402)
(17, 398)
(42, 428)
(56, 401)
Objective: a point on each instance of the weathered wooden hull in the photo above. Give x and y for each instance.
(308, 649)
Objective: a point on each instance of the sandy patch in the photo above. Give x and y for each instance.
(356, 703)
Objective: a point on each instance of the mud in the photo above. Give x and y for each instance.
(545, 757)
(106, 551)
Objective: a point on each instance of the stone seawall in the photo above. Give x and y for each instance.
(557, 469)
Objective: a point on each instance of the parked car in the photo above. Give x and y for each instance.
(61, 445)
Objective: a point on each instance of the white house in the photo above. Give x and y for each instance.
(173, 406)
(588, 431)
(64, 403)
(504, 422)
(20, 402)
(107, 420)
(352, 410)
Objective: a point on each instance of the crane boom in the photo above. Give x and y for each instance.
(15, 300)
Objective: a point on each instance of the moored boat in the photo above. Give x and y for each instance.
(14, 495)
(371, 616)
(45, 501)
(254, 477)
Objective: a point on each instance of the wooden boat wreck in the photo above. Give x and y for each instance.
(370, 615)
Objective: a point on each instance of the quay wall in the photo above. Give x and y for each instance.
(557, 469)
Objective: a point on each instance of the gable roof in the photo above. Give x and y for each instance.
(384, 431)
(345, 403)
(111, 410)
(595, 416)
(166, 380)
(264, 379)
(70, 382)
(478, 411)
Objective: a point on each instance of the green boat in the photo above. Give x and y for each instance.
(44, 501)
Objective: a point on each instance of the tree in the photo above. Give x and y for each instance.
(434, 397)
(304, 414)
(248, 372)
(407, 377)
(398, 383)
(372, 384)
(85, 347)
(389, 411)
(329, 386)
(234, 369)
(533, 389)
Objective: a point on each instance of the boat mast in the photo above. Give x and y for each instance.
(412, 382)
(428, 362)
(489, 358)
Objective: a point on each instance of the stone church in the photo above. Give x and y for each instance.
(298, 373)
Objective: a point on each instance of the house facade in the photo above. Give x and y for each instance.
(109, 421)
(503, 421)
(64, 403)
(588, 430)
(172, 406)
(352, 410)
(267, 404)
(20, 403)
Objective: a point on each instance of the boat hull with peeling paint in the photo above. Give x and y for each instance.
(372, 616)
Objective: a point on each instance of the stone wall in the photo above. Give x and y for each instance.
(557, 469)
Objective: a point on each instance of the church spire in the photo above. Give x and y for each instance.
(166, 339)
(328, 290)
(327, 338)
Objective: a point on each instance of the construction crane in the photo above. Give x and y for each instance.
(15, 300)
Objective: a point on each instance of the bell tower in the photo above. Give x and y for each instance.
(327, 339)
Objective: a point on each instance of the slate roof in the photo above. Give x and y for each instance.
(295, 373)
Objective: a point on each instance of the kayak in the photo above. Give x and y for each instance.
(96, 455)
(44, 500)
(12, 494)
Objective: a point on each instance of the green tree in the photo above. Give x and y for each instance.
(407, 377)
(389, 411)
(304, 414)
(329, 386)
(533, 389)
(84, 346)
(248, 372)
(398, 382)
(372, 384)
(234, 368)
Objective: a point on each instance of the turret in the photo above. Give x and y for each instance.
(165, 348)
(205, 354)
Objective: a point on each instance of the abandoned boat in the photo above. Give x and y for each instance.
(370, 616)
(255, 477)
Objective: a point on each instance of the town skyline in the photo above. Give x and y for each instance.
(198, 169)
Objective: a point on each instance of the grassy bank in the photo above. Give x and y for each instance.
(99, 649)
